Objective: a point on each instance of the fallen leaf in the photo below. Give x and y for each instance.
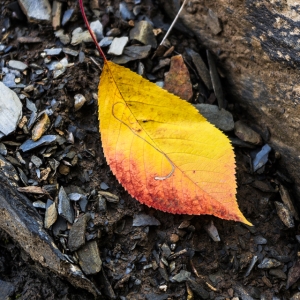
(163, 152)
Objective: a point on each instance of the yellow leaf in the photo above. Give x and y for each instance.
(163, 152)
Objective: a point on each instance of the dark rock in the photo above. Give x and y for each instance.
(6, 290)
(269, 263)
(30, 144)
(143, 32)
(36, 10)
(77, 233)
(261, 157)
(182, 276)
(198, 289)
(132, 53)
(68, 14)
(145, 220)
(89, 258)
(64, 206)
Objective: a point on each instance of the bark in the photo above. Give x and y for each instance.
(258, 48)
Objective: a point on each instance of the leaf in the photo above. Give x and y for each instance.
(163, 152)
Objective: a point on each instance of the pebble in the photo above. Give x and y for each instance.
(215, 79)
(104, 186)
(143, 32)
(161, 64)
(106, 41)
(261, 157)
(79, 36)
(246, 134)
(117, 46)
(89, 258)
(40, 127)
(212, 232)
(284, 214)
(11, 110)
(221, 118)
(37, 11)
(53, 51)
(97, 28)
(56, 14)
(198, 289)
(201, 67)
(39, 204)
(132, 53)
(213, 22)
(113, 32)
(45, 140)
(242, 293)
(68, 14)
(3, 150)
(109, 196)
(278, 273)
(36, 161)
(102, 204)
(259, 240)
(174, 238)
(77, 233)
(75, 196)
(79, 101)
(7, 290)
(9, 80)
(60, 67)
(251, 265)
(144, 220)
(166, 250)
(50, 214)
(286, 199)
(125, 13)
(64, 206)
(30, 105)
(269, 263)
(63, 37)
(182, 276)
(177, 80)
(63, 169)
(70, 52)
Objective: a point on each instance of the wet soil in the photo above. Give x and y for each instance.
(218, 267)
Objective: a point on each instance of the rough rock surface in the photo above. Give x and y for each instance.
(259, 51)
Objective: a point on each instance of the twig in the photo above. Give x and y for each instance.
(173, 23)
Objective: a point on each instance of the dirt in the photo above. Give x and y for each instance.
(217, 267)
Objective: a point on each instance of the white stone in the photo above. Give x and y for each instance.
(97, 28)
(79, 36)
(10, 110)
(117, 46)
(36, 10)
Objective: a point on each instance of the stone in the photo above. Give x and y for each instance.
(201, 67)
(221, 118)
(79, 101)
(177, 80)
(76, 237)
(261, 158)
(79, 36)
(70, 51)
(145, 220)
(132, 53)
(64, 206)
(278, 273)
(106, 41)
(40, 127)
(30, 144)
(17, 65)
(284, 214)
(63, 37)
(246, 134)
(7, 290)
(125, 13)
(9, 171)
(286, 199)
(97, 28)
(56, 14)
(182, 276)
(53, 51)
(50, 214)
(213, 22)
(259, 240)
(36, 10)
(10, 110)
(269, 263)
(68, 14)
(89, 258)
(212, 232)
(60, 67)
(143, 32)
(117, 46)
(9, 80)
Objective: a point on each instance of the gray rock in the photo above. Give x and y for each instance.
(9, 80)
(9, 171)
(145, 220)
(70, 51)
(284, 214)
(117, 46)
(101, 204)
(39, 204)
(53, 51)
(198, 289)
(75, 196)
(97, 29)
(77, 233)
(89, 258)
(6, 290)
(261, 157)
(63, 37)
(269, 263)
(182, 276)
(3, 150)
(83, 203)
(286, 199)
(132, 53)
(60, 68)
(30, 105)
(44, 140)
(79, 36)
(212, 232)
(221, 118)
(246, 134)
(36, 10)
(68, 14)
(104, 186)
(201, 67)
(106, 41)
(126, 14)
(143, 32)
(213, 22)
(64, 206)
(166, 250)
(59, 226)
(259, 240)
(10, 110)
(51, 214)
(113, 32)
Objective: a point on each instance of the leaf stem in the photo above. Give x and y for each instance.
(173, 23)
(90, 30)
